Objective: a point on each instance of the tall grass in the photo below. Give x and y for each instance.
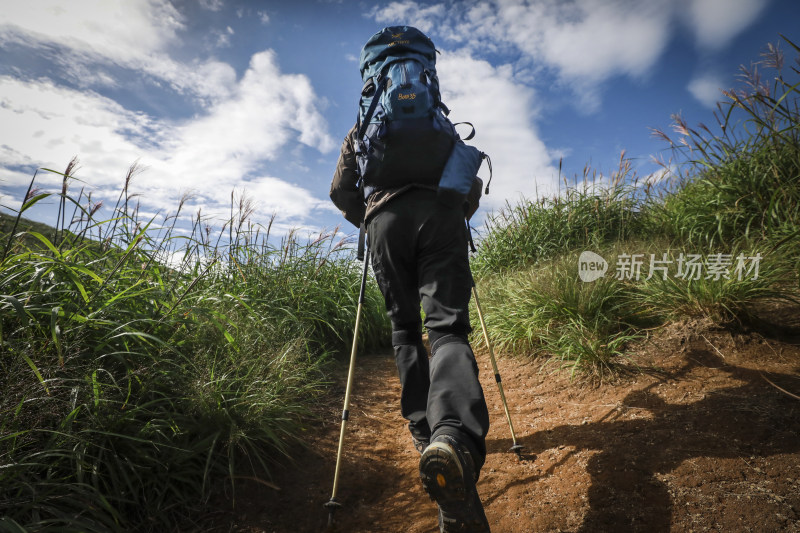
(593, 213)
(736, 190)
(142, 371)
(547, 309)
(729, 299)
(742, 181)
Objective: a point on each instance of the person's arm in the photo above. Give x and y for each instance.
(345, 193)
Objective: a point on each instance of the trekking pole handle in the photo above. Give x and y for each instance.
(362, 233)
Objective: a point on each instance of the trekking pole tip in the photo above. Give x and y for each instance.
(517, 448)
(332, 506)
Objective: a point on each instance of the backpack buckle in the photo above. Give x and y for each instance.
(368, 88)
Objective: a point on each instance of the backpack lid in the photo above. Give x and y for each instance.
(394, 42)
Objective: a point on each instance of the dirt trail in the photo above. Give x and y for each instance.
(697, 440)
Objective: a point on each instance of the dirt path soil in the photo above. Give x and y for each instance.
(697, 440)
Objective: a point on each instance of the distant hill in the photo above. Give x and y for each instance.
(7, 224)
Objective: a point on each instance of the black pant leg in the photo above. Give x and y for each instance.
(392, 243)
(414, 371)
(419, 253)
(456, 405)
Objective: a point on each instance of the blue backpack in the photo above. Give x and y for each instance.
(403, 133)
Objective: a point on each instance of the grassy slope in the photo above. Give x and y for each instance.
(133, 385)
(733, 203)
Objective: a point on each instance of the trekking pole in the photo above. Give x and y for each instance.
(333, 505)
(516, 448)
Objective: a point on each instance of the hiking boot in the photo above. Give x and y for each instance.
(448, 476)
(420, 444)
(421, 439)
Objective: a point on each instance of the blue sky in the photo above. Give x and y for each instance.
(219, 96)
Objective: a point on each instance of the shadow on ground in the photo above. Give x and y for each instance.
(633, 459)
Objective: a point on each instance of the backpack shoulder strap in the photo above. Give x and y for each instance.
(362, 125)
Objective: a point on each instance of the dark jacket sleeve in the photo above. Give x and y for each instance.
(344, 187)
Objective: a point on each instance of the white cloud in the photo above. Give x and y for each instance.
(276, 196)
(223, 37)
(707, 89)
(11, 202)
(717, 22)
(501, 111)
(584, 41)
(46, 125)
(588, 40)
(409, 13)
(241, 125)
(133, 35)
(253, 126)
(211, 5)
(126, 31)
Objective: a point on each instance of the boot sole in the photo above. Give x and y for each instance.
(442, 475)
(444, 479)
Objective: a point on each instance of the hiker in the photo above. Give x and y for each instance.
(417, 241)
